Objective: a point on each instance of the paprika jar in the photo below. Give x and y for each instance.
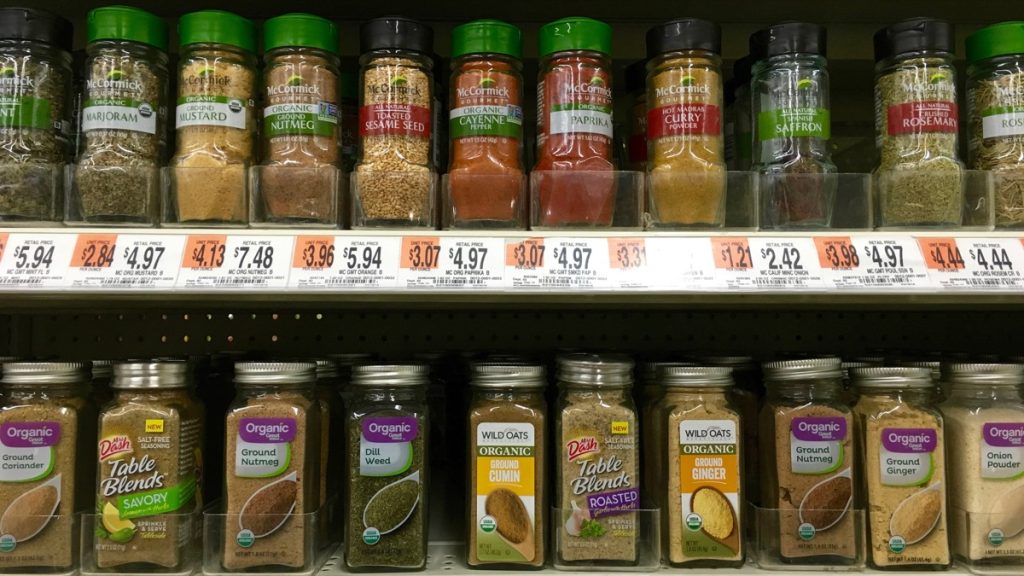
(574, 126)
(485, 174)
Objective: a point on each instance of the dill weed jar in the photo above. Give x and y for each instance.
(686, 163)
(35, 115)
(919, 178)
(124, 117)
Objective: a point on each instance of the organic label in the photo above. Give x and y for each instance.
(709, 474)
(26, 450)
(394, 119)
(118, 114)
(486, 103)
(684, 119)
(816, 446)
(794, 123)
(385, 445)
(24, 112)
(319, 119)
(906, 456)
(210, 111)
(1002, 121)
(264, 447)
(1002, 450)
(505, 481)
(936, 116)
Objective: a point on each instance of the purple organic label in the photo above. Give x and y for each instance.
(29, 434)
(614, 502)
(390, 429)
(909, 440)
(267, 430)
(1004, 434)
(819, 428)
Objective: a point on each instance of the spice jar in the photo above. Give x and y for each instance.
(746, 396)
(298, 183)
(995, 107)
(150, 463)
(903, 450)
(919, 177)
(684, 125)
(124, 117)
(332, 437)
(808, 479)
(215, 120)
(598, 462)
(507, 473)
(394, 179)
(652, 435)
(790, 93)
(984, 418)
(48, 454)
(35, 113)
(386, 479)
(485, 177)
(572, 182)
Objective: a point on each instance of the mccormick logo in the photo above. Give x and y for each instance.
(294, 85)
(484, 89)
(397, 85)
(9, 79)
(595, 86)
(686, 87)
(581, 447)
(207, 77)
(114, 445)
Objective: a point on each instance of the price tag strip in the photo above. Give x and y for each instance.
(559, 263)
(345, 262)
(871, 261)
(120, 261)
(786, 263)
(36, 260)
(236, 262)
(974, 263)
(451, 263)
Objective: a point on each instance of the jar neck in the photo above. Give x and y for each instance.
(136, 49)
(199, 48)
(805, 390)
(381, 394)
(251, 388)
(303, 51)
(575, 392)
(421, 60)
(573, 56)
(54, 390)
(919, 396)
(1006, 393)
(485, 57)
(507, 394)
(705, 57)
(701, 393)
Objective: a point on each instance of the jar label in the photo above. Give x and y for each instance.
(1002, 121)
(24, 112)
(200, 110)
(118, 114)
(1002, 450)
(300, 119)
(709, 486)
(794, 123)
(575, 100)
(26, 450)
(385, 445)
(486, 120)
(906, 456)
(580, 119)
(924, 116)
(684, 119)
(264, 448)
(394, 120)
(816, 444)
(505, 489)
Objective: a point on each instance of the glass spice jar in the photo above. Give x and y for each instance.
(791, 118)
(394, 180)
(124, 119)
(486, 182)
(919, 178)
(35, 114)
(686, 165)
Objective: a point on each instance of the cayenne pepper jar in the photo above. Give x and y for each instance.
(574, 125)
(485, 176)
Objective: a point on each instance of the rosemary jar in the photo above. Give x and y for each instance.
(919, 180)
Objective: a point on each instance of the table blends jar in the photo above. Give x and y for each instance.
(298, 181)
(486, 182)
(48, 430)
(790, 93)
(572, 182)
(394, 179)
(984, 419)
(35, 113)
(919, 178)
(124, 119)
(808, 479)
(386, 478)
(215, 120)
(995, 105)
(686, 154)
(272, 467)
(903, 450)
(150, 463)
(507, 520)
(597, 465)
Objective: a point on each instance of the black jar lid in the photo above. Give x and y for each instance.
(758, 45)
(914, 35)
(396, 33)
(36, 25)
(795, 38)
(684, 34)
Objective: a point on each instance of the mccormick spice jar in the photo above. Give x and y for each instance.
(684, 125)
(507, 468)
(150, 463)
(574, 126)
(903, 450)
(598, 462)
(47, 429)
(394, 178)
(919, 179)
(485, 177)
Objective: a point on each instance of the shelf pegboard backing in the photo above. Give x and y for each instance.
(400, 332)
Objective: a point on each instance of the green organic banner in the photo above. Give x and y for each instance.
(24, 112)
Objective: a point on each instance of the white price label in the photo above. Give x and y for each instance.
(974, 263)
(870, 262)
(35, 260)
(733, 263)
(554, 263)
(236, 262)
(116, 261)
(681, 264)
(629, 264)
(786, 263)
(345, 262)
(452, 263)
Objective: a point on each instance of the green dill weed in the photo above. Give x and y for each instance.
(392, 505)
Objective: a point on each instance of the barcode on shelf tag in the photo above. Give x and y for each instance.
(974, 263)
(452, 263)
(554, 263)
(236, 262)
(628, 264)
(111, 261)
(786, 263)
(36, 260)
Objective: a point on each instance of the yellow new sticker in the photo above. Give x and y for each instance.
(153, 426)
(620, 427)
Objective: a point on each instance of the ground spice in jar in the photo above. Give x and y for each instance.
(507, 466)
(904, 462)
(684, 125)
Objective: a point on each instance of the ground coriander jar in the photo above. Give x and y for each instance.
(808, 478)
(507, 466)
(48, 430)
(597, 467)
(902, 448)
(686, 151)
(919, 178)
(386, 479)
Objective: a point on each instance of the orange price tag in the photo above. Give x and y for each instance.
(206, 251)
(421, 252)
(731, 253)
(627, 253)
(94, 251)
(3, 243)
(313, 252)
(528, 254)
(837, 252)
(941, 253)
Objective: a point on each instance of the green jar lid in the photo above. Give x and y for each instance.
(996, 40)
(300, 31)
(487, 37)
(349, 85)
(127, 23)
(217, 27)
(575, 33)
